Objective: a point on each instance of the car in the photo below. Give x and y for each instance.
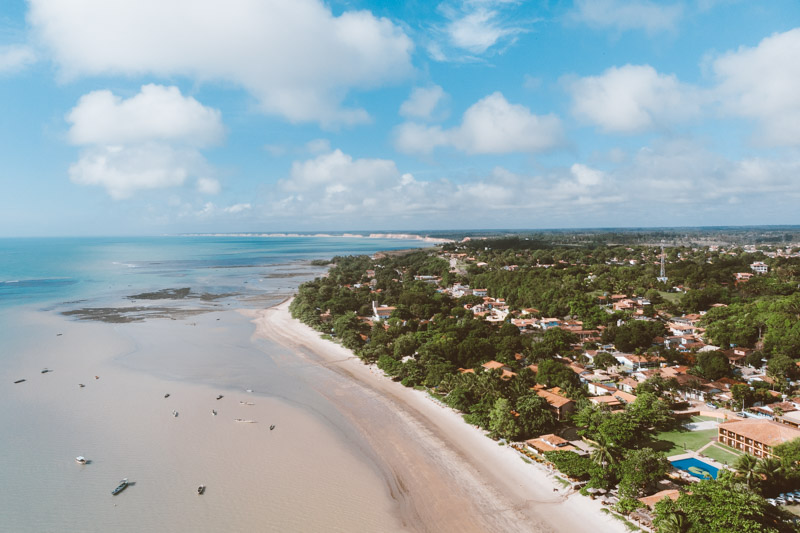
(796, 494)
(788, 497)
(780, 501)
(772, 501)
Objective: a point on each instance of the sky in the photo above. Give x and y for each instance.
(196, 116)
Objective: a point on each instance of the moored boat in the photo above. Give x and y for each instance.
(201, 489)
(122, 485)
(81, 460)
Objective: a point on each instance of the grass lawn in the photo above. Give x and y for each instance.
(675, 442)
(672, 297)
(723, 454)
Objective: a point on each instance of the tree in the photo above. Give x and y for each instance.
(571, 464)
(502, 422)
(640, 470)
(535, 416)
(781, 367)
(650, 411)
(604, 360)
(746, 470)
(722, 505)
(712, 365)
(742, 395)
(554, 374)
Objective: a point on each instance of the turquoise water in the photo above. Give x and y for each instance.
(57, 270)
(685, 464)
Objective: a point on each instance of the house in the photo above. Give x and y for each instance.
(637, 362)
(754, 436)
(759, 267)
(560, 405)
(653, 499)
(495, 365)
(549, 443)
(479, 292)
(381, 312)
(737, 356)
(610, 401)
(628, 385)
(600, 389)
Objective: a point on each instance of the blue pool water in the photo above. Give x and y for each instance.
(692, 464)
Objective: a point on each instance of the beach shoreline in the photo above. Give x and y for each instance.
(446, 474)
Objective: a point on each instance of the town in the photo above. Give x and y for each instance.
(659, 379)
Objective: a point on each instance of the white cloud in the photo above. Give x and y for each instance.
(156, 113)
(633, 98)
(237, 208)
(294, 56)
(669, 183)
(490, 126)
(318, 146)
(16, 57)
(208, 186)
(422, 102)
(476, 27)
(149, 141)
(337, 172)
(763, 83)
(646, 15)
(124, 170)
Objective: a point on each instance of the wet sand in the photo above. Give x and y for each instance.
(312, 473)
(446, 474)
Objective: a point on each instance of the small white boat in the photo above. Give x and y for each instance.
(81, 460)
(174, 413)
(214, 412)
(246, 403)
(242, 420)
(248, 390)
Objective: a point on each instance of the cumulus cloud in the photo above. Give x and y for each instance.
(337, 185)
(294, 56)
(474, 27)
(667, 183)
(422, 102)
(646, 15)
(156, 113)
(490, 126)
(148, 141)
(125, 170)
(15, 57)
(633, 98)
(763, 83)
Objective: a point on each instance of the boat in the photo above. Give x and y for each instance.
(201, 489)
(248, 390)
(120, 487)
(81, 460)
(174, 413)
(166, 395)
(19, 381)
(219, 397)
(46, 370)
(272, 427)
(244, 421)
(246, 403)
(81, 385)
(214, 412)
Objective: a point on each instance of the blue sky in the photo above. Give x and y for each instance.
(170, 116)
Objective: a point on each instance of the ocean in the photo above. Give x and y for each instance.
(124, 345)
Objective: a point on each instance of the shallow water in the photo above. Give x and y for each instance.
(312, 473)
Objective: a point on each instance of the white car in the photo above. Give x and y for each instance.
(780, 501)
(772, 501)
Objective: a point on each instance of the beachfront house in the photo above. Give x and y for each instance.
(754, 436)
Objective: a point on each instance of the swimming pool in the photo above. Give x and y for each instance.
(696, 467)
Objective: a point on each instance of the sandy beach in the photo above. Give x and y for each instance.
(445, 474)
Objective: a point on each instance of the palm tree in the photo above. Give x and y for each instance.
(674, 522)
(746, 468)
(770, 468)
(604, 454)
